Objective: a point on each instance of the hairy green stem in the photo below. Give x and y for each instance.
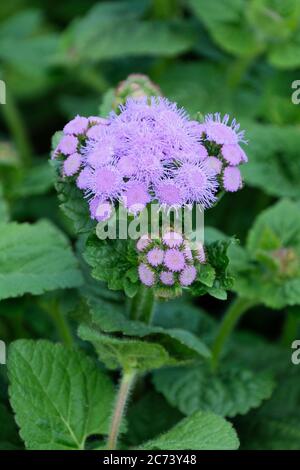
(231, 318)
(141, 308)
(15, 124)
(126, 385)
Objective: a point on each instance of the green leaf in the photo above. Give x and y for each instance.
(180, 344)
(275, 426)
(35, 181)
(35, 259)
(201, 431)
(111, 31)
(214, 277)
(74, 206)
(59, 396)
(101, 255)
(273, 165)
(227, 25)
(229, 392)
(262, 273)
(125, 353)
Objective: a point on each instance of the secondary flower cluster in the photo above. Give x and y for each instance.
(151, 151)
(222, 144)
(169, 261)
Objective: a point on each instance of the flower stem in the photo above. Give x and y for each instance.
(15, 124)
(232, 316)
(62, 326)
(142, 305)
(126, 385)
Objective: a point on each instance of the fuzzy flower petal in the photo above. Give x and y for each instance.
(72, 164)
(84, 178)
(187, 276)
(136, 197)
(155, 256)
(218, 130)
(146, 275)
(170, 194)
(68, 144)
(233, 154)
(199, 182)
(174, 260)
(232, 179)
(167, 278)
(78, 125)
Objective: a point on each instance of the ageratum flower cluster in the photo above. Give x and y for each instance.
(151, 151)
(222, 142)
(168, 262)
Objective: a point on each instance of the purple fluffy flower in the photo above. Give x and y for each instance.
(106, 183)
(155, 256)
(214, 164)
(167, 278)
(84, 178)
(218, 130)
(187, 276)
(199, 182)
(174, 260)
(168, 193)
(72, 164)
(77, 126)
(67, 145)
(232, 179)
(146, 275)
(136, 196)
(233, 154)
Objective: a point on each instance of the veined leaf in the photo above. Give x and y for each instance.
(35, 259)
(201, 431)
(60, 397)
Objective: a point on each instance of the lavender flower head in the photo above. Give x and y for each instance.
(168, 264)
(223, 140)
(151, 151)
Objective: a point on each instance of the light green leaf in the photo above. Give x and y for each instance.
(34, 259)
(229, 392)
(201, 431)
(59, 396)
(112, 31)
(180, 343)
(125, 353)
